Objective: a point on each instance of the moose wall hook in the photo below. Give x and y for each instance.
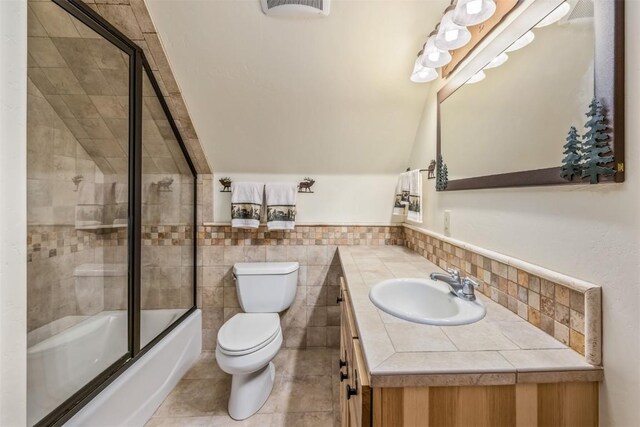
(305, 186)
(226, 184)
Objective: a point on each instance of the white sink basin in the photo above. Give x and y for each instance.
(425, 301)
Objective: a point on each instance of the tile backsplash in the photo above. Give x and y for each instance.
(312, 235)
(571, 314)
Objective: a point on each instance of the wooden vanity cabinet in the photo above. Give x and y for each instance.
(355, 390)
(521, 405)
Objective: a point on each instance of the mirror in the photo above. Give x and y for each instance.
(504, 119)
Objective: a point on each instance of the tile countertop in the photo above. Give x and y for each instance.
(500, 349)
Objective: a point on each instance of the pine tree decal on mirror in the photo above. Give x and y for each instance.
(442, 175)
(571, 163)
(596, 152)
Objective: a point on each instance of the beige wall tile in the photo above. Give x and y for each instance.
(122, 17)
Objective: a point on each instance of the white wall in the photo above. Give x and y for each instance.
(326, 95)
(590, 232)
(337, 199)
(13, 212)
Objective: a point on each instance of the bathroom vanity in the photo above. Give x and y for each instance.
(500, 370)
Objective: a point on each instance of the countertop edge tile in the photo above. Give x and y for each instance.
(592, 375)
(444, 380)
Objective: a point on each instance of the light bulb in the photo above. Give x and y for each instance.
(478, 77)
(422, 74)
(474, 7)
(521, 42)
(451, 36)
(434, 57)
(473, 12)
(497, 61)
(557, 14)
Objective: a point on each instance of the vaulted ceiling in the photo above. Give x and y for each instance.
(316, 95)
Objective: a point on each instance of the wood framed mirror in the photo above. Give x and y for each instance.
(509, 129)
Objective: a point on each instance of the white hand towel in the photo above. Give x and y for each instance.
(89, 205)
(246, 204)
(402, 194)
(281, 206)
(415, 196)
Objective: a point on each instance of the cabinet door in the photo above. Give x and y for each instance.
(346, 355)
(344, 405)
(359, 395)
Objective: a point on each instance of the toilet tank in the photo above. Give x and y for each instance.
(266, 287)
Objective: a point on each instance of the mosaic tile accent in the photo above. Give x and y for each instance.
(554, 308)
(167, 235)
(309, 235)
(51, 241)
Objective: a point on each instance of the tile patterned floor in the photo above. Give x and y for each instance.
(305, 394)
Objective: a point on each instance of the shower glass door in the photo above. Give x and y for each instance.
(168, 196)
(111, 210)
(78, 206)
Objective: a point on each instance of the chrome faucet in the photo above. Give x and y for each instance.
(462, 288)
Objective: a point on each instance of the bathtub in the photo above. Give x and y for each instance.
(60, 365)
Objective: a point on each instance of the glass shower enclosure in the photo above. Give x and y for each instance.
(111, 209)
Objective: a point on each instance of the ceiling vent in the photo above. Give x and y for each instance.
(295, 8)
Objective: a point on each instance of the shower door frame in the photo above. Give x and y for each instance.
(138, 65)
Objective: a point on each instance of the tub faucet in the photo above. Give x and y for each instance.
(462, 288)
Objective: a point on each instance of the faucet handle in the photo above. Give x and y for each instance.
(468, 286)
(454, 273)
(470, 281)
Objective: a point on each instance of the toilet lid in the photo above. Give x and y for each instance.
(247, 332)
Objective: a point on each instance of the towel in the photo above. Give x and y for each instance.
(415, 196)
(402, 194)
(89, 209)
(281, 206)
(246, 204)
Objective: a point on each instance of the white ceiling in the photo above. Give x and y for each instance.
(317, 95)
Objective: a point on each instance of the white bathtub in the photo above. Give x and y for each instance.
(63, 363)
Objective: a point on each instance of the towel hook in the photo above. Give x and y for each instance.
(431, 169)
(305, 186)
(226, 184)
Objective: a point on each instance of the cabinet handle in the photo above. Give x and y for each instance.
(343, 363)
(343, 376)
(351, 391)
(339, 299)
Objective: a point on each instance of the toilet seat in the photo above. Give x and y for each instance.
(247, 333)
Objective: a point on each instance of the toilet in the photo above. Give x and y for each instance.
(248, 342)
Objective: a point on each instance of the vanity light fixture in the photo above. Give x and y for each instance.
(422, 74)
(555, 16)
(497, 61)
(521, 42)
(450, 35)
(477, 77)
(473, 12)
(433, 57)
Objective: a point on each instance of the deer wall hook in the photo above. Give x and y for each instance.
(305, 186)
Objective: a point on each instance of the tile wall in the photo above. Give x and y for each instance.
(132, 18)
(314, 318)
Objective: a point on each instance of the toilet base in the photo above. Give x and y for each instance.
(250, 391)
